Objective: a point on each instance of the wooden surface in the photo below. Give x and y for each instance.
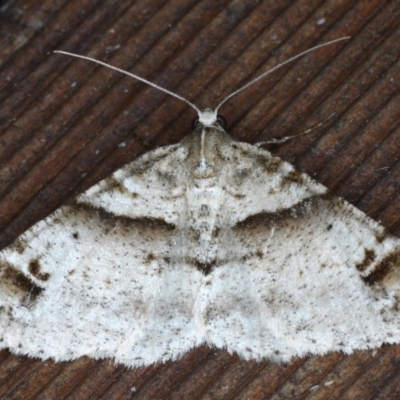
(65, 124)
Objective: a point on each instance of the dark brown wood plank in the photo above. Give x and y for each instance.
(65, 124)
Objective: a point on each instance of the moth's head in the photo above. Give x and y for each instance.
(209, 119)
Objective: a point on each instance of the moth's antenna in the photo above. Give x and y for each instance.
(275, 68)
(207, 117)
(131, 75)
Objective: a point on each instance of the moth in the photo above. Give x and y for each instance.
(208, 241)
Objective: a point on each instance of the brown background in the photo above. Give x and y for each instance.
(63, 121)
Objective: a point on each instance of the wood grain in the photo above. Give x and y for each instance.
(65, 124)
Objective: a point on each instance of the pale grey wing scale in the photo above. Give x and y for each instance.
(315, 274)
(98, 277)
(84, 307)
(155, 194)
(145, 188)
(134, 270)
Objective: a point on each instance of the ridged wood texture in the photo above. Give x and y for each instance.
(65, 124)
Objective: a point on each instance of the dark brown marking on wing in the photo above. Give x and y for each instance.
(265, 160)
(259, 254)
(35, 267)
(237, 196)
(150, 258)
(124, 222)
(299, 210)
(383, 269)
(204, 267)
(113, 184)
(293, 177)
(216, 232)
(18, 283)
(369, 258)
(19, 245)
(381, 236)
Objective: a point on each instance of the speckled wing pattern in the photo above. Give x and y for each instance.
(209, 241)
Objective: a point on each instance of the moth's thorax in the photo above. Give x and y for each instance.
(204, 146)
(205, 191)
